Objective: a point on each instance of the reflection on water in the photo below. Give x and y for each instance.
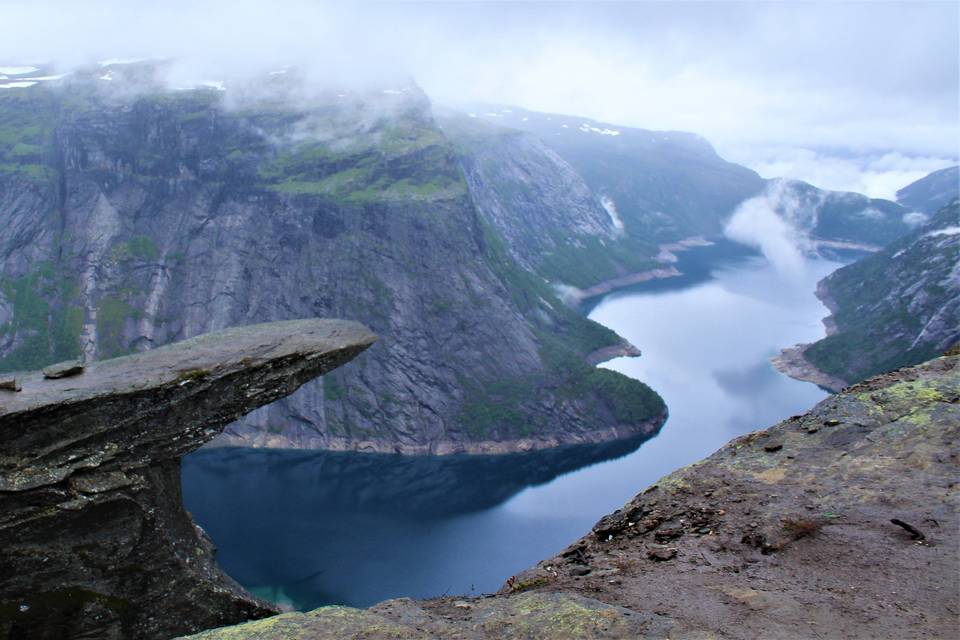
(314, 528)
(311, 528)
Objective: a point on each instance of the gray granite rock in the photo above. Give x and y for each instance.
(95, 539)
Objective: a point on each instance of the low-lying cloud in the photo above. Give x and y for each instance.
(829, 93)
(777, 223)
(874, 175)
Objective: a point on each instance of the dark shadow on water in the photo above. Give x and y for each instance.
(295, 526)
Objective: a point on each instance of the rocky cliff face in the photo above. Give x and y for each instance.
(839, 523)
(895, 308)
(664, 185)
(135, 216)
(96, 542)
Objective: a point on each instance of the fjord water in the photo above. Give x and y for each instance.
(313, 528)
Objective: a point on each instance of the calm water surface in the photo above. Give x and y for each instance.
(313, 528)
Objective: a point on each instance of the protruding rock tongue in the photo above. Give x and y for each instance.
(95, 540)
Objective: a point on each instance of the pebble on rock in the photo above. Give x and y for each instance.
(63, 369)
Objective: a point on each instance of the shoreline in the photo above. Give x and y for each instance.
(793, 363)
(646, 430)
(667, 256)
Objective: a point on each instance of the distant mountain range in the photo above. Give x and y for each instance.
(135, 215)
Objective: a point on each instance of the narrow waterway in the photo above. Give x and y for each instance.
(313, 528)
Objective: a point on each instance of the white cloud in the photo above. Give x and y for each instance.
(874, 175)
(867, 78)
(776, 223)
(914, 218)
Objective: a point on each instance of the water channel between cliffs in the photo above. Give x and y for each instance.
(313, 528)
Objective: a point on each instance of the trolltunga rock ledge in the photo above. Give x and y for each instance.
(95, 539)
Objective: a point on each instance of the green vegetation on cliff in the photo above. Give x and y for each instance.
(897, 307)
(44, 318)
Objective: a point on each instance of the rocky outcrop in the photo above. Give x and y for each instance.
(895, 308)
(840, 523)
(95, 539)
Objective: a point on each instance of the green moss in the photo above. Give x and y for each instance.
(142, 248)
(192, 375)
(518, 587)
(49, 332)
(498, 407)
(32, 171)
(112, 315)
(332, 389)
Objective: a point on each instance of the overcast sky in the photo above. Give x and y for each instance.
(861, 96)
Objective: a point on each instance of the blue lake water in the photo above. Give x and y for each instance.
(314, 528)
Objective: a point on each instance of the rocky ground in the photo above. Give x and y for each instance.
(840, 523)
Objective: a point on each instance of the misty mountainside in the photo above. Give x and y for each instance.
(134, 215)
(820, 218)
(669, 185)
(930, 193)
(898, 307)
(550, 218)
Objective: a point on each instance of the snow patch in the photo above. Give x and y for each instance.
(587, 128)
(47, 78)
(107, 76)
(17, 71)
(17, 85)
(899, 253)
(219, 85)
(946, 231)
(871, 213)
(393, 92)
(112, 61)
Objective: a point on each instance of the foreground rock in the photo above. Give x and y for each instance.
(95, 539)
(783, 533)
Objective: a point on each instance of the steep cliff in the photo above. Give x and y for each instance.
(136, 216)
(895, 308)
(840, 523)
(664, 185)
(96, 542)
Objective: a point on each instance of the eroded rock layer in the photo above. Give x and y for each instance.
(96, 542)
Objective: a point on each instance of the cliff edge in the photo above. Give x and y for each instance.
(840, 523)
(95, 539)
